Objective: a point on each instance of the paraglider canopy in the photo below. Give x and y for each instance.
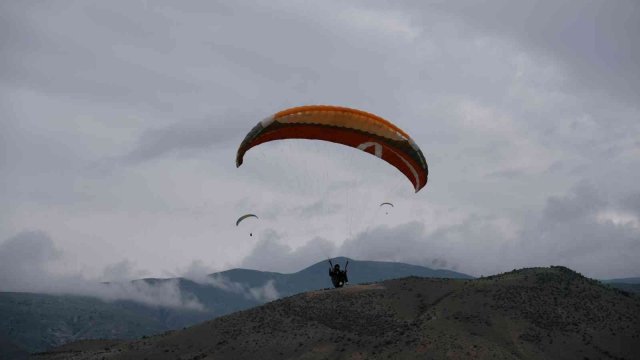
(351, 127)
(244, 217)
(388, 204)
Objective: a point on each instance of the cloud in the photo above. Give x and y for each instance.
(632, 203)
(583, 229)
(33, 45)
(439, 263)
(24, 259)
(122, 271)
(201, 274)
(317, 208)
(507, 174)
(399, 243)
(591, 39)
(188, 135)
(404, 243)
(166, 293)
(270, 254)
(27, 262)
(583, 202)
(196, 271)
(266, 292)
(466, 245)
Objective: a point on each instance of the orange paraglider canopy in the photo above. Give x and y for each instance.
(351, 127)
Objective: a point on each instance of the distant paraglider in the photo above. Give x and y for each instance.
(241, 218)
(387, 204)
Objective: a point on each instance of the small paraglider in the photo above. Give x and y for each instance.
(241, 218)
(387, 204)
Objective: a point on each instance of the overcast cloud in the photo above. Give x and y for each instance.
(120, 121)
(27, 264)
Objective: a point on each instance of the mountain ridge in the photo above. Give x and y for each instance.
(533, 313)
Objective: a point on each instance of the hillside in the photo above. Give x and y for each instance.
(538, 313)
(37, 322)
(11, 351)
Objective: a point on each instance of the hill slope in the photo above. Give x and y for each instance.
(11, 351)
(38, 321)
(539, 313)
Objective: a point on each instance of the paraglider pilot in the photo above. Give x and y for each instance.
(338, 277)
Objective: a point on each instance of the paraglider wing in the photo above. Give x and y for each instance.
(386, 203)
(355, 128)
(244, 217)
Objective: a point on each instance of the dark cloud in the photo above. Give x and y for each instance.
(632, 203)
(583, 202)
(595, 40)
(573, 230)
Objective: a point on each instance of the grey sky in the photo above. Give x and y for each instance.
(120, 121)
